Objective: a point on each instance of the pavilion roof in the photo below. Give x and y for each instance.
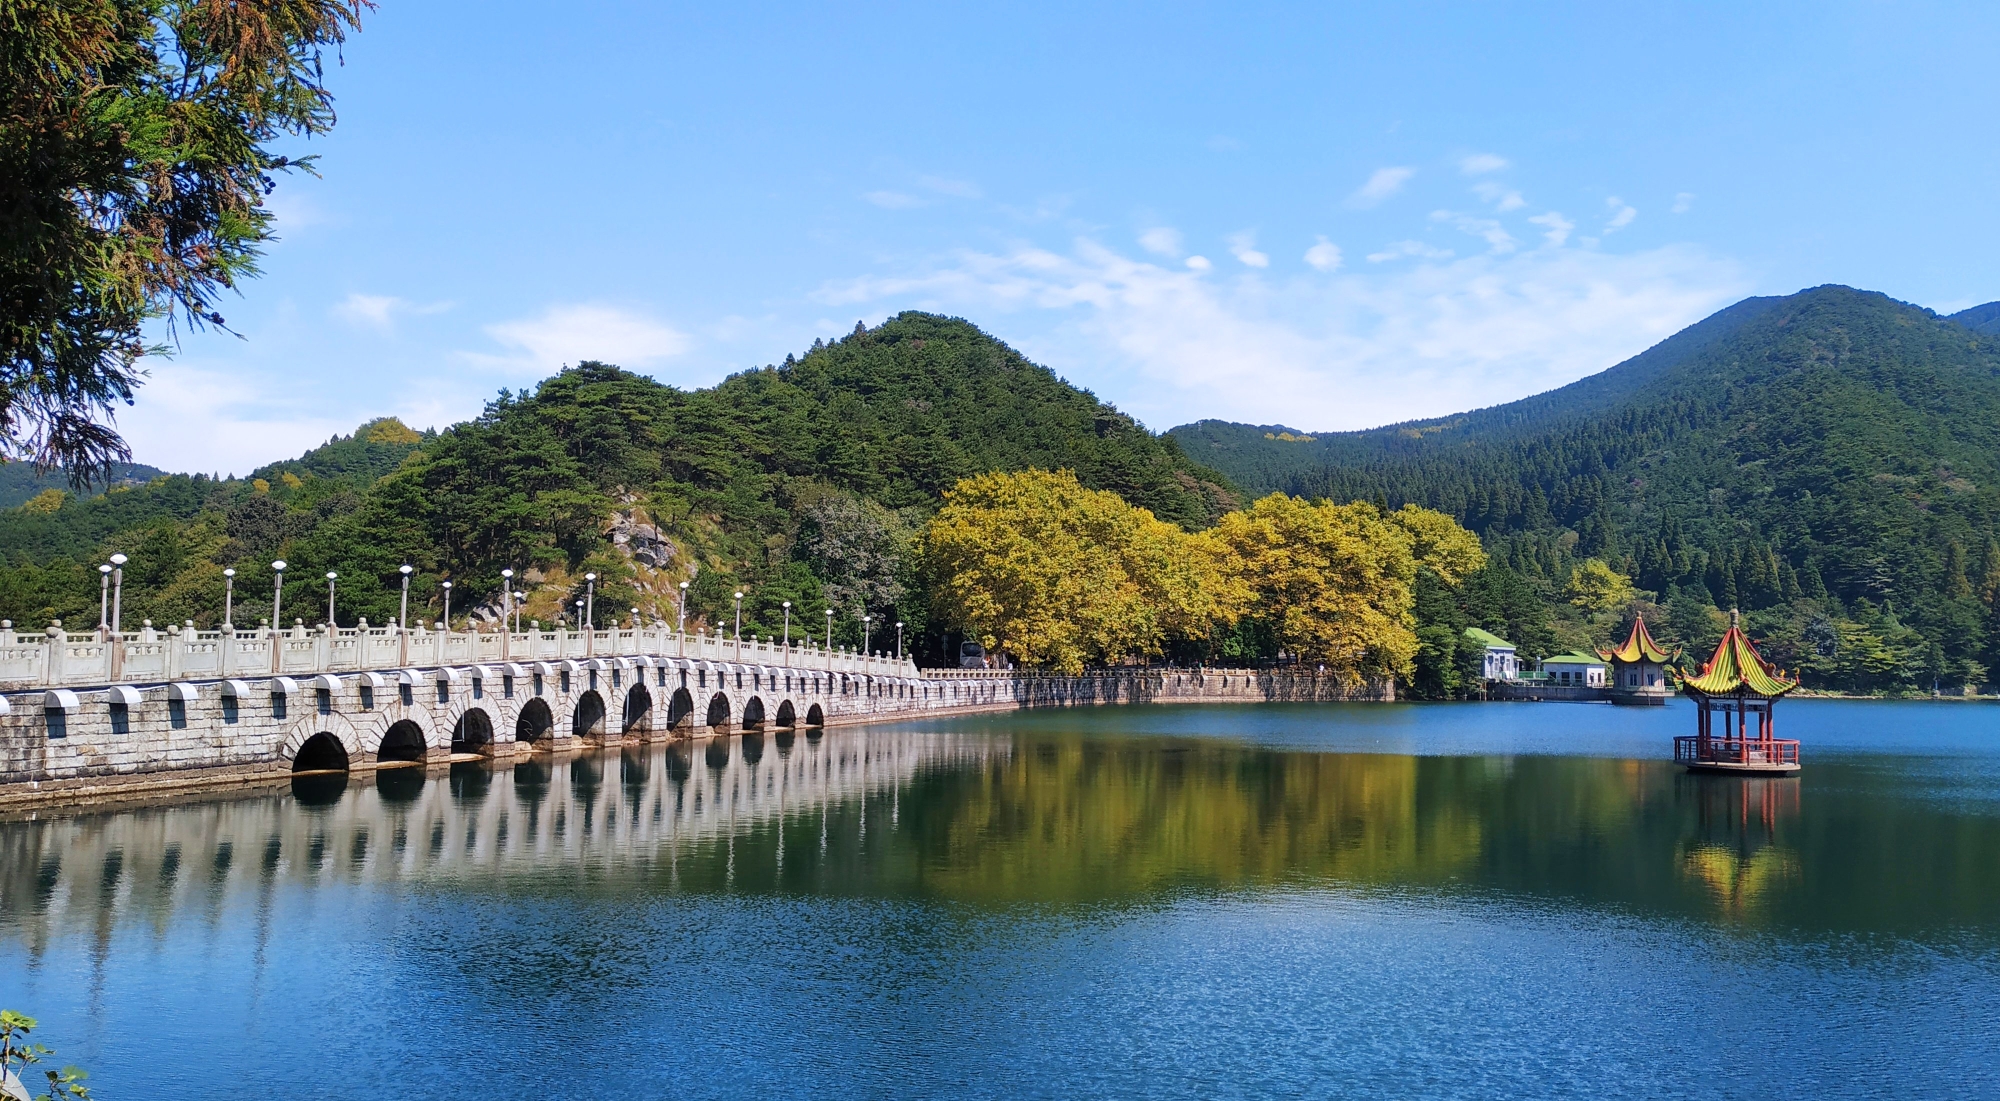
(1737, 667)
(1639, 646)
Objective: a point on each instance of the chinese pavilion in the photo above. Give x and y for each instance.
(1639, 668)
(1735, 684)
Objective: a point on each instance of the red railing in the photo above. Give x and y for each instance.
(1692, 749)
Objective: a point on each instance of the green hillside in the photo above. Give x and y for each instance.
(800, 481)
(1980, 319)
(19, 482)
(1829, 461)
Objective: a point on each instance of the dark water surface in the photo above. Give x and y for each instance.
(1358, 900)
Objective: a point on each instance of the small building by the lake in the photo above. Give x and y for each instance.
(1499, 661)
(1576, 670)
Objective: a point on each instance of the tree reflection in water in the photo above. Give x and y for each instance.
(994, 821)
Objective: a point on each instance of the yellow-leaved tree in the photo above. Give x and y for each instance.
(1596, 587)
(1334, 583)
(1438, 542)
(1056, 575)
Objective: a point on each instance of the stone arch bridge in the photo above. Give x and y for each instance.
(158, 711)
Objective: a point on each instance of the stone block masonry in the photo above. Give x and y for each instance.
(117, 741)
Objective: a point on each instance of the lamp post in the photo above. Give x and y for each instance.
(899, 640)
(277, 594)
(739, 626)
(579, 621)
(509, 620)
(117, 588)
(681, 621)
(228, 598)
(788, 625)
(104, 601)
(331, 577)
(635, 622)
(829, 638)
(866, 620)
(590, 601)
(403, 609)
(447, 605)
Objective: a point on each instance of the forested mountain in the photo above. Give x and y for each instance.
(1980, 319)
(799, 481)
(19, 482)
(1828, 460)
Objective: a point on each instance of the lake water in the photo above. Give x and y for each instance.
(1364, 900)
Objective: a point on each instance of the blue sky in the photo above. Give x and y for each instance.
(1327, 216)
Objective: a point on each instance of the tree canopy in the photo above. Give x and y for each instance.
(135, 160)
(1828, 462)
(804, 481)
(1057, 575)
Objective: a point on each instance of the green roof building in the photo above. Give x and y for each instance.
(1500, 662)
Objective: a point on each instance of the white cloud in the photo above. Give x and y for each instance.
(1479, 164)
(1324, 256)
(570, 334)
(1243, 246)
(1556, 228)
(1487, 229)
(1384, 183)
(1198, 263)
(893, 200)
(1502, 198)
(1683, 202)
(1401, 249)
(960, 189)
(1346, 352)
(1161, 240)
(292, 208)
(375, 310)
(380, 311)
(196, 419)
(1621, 214)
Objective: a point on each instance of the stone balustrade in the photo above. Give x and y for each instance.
(57, 658)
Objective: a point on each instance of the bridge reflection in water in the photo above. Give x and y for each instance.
(998, 816)
(563, 816)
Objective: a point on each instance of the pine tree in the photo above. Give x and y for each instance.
(1956, 585)
(1812, 584)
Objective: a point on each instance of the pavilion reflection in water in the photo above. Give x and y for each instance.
(1737, 850)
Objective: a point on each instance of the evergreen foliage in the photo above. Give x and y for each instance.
(803, 482)
(137, 152)
(1829, 462)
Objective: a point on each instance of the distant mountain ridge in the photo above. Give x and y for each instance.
(1980, 319)
(19, 482)
(801, 482)
(1832, 442)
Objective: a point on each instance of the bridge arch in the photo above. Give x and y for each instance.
(679, 708)
(336, 725)
(787, 716)
(536, 722)
(753, 713)
(403, 741)
(321, 753)
(718, 710)
(473, 732)
(588, 721)
(638, 708)
(815, 716)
